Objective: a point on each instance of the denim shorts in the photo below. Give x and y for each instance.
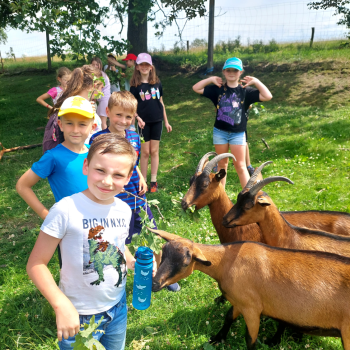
(113, 325)
(221, 137)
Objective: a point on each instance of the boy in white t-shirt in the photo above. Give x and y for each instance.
(91, 228)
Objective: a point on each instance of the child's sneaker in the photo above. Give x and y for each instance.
(154, 187)
(250, 170)
(175, 287)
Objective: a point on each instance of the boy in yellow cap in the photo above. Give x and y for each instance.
(62, 165)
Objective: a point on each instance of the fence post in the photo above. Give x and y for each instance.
(188, 46)
(48, 51)
(210, 64)
(312, 36)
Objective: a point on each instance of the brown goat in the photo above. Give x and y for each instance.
(261, 280)
(255, 206)
(206, 189)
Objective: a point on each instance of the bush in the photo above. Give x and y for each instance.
(199, 43)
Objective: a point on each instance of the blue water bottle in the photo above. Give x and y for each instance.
(141, 299)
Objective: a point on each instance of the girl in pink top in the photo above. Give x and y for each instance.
(63, 75)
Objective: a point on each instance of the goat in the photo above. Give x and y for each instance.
(206, 189)
(255, 206)
(261, 280)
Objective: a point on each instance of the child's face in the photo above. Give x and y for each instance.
(130, 63)
(120, 119)
(232, 74)
(107, 174)
(76, 128)
(96, 65)
(64, 81)
(144, 68)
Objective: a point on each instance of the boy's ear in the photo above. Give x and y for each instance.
(59, 123)
(107, 111)
(93, 127)
(85, 166)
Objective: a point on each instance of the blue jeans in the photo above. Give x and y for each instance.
(221, 137)
(113, 325)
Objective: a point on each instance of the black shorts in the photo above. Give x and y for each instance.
(152, 131)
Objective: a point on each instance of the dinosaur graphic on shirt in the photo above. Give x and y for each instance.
(104, 253)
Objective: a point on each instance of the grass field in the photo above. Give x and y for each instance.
(307, 128)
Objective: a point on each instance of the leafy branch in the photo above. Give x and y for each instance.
(84, 339)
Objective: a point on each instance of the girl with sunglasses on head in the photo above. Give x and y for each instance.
(232, 101)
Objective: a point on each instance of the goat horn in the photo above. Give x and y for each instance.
(256, 173)
(209, 167)
(258, 186)
(203, 160)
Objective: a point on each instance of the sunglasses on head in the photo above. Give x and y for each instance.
(232, 70)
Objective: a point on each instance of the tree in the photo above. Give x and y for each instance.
(140, 12)
(3, 36)
(72, 25)
(341, 8)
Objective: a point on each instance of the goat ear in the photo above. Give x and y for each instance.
(220, 175)
(165, 235)
(198, 256)
(263, 201)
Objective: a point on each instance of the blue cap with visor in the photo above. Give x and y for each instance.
(233, 62)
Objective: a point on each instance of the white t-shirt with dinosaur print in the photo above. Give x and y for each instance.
(93, 274)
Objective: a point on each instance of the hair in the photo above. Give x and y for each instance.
(61, 72)
(98, 60)
(136, 77)
(81, 78)
(123, 99)
(115, 144)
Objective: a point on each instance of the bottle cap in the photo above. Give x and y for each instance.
(144, 253)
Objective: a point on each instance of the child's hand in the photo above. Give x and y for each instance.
(217, 81)
(248, 80)
(93, 106)
(168, 127)
(140, 122)
(142, 186)
(122, 74)
(113, 68)
(67, 320)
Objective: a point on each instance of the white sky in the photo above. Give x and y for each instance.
(282, 20)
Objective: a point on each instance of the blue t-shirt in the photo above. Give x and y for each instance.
(133, 185)
(64, 170)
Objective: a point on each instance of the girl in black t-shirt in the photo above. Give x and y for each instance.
(147, 88)
(232, 102)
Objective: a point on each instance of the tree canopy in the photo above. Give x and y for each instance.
(341, 8)
(73, 25)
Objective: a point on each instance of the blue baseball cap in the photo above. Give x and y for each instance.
(233, 62)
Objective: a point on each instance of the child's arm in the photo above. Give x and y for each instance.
(24, 188)
(264, 92)
(166, 123)
(199, 87)
(67, 317)
(120, 64)
(130, 261)
(41, 100)
(142, 183)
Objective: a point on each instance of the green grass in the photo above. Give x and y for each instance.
(286, 53)
(306, 126)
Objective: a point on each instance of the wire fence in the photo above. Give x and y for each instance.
(283, 21)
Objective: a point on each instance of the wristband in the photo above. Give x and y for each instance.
(48, 106)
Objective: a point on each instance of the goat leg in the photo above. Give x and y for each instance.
(276, 339)
(248, 340)
(222, 334)
(220, 300)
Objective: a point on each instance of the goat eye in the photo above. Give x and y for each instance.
(249, 205)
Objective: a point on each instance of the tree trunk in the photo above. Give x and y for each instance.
(137, 30)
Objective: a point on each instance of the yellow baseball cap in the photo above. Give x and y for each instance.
(77, 105)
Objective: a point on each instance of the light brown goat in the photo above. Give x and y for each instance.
(206, 189)
(255, 206)
(261, 280)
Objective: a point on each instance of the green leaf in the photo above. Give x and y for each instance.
(48, 331)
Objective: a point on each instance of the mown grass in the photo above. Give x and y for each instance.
(306, 127)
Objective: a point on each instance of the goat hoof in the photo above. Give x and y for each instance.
(217, 339)
(220, 300)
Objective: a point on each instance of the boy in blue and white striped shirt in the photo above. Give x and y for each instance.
(122, 106)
